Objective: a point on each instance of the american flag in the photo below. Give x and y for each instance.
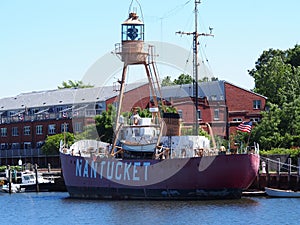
(245, 127)
(21, 117)
(65, 114)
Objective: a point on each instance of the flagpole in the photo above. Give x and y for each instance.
(249, 137)
(246, 127)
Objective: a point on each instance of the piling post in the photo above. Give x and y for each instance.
(278, 173)
(36, 178)
(9, 179)
(289, 171)
(298, 174)
(267, 171)
(49, 167)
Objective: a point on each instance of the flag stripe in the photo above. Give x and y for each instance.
(245, 127)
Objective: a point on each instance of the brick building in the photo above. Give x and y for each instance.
(27, 119)
(221, 104)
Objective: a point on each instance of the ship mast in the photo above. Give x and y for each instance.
(195, 63)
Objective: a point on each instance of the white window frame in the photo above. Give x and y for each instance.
(237, 120)
(39, 144)
(78, 127)
(27, 145)
(256, 119)
(39, 129)
(62, 127)
(3, 132)
(14, 131)
(179, 111)
(51, 129)
(15, 145)
(256, 104)
(199, 114)
(216, 114)
(26, 130)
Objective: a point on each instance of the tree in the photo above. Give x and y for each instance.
(167, 81)
(276, 75)
(105, 124)
(52, 143)
(183, 79)
(74, 84)
(268, 133)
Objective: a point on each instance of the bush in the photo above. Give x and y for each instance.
(293, 153)
(17, 168)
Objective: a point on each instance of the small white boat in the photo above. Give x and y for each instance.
(279, 193)
(15, 188)
(29, 182)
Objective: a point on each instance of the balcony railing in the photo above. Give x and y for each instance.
(23, 153)
(49, 116)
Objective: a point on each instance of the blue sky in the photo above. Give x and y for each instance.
(44, 43)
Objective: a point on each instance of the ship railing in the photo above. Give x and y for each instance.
(282, 164)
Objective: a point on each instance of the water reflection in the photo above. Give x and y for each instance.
(57, 208)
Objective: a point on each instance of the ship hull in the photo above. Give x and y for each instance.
(210, 177)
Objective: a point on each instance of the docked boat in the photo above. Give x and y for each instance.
(145, 161)
(15, 188)
(279, 193)
(29, 182)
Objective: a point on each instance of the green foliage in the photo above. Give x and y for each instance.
(190, 131)
(167, 81)
(52, 142)
(277, 76)
(168, 109)
(17, 168)
(89, 132)
(207, 79)
(293, 153)
(183, 79)
(145, 113)
(105, 124)
(74, 84)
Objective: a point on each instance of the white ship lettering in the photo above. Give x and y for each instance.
(112, 170)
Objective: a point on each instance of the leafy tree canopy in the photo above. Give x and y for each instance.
(184, 79)
(277, 75)
(105, 124)
(74, 84)
(52, 142)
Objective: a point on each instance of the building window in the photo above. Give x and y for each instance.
(199, 114)
(27, 145)
(51, 129)
(4, 146)
(15, 145)
(237, 119)
(39, 144)
(180, 113)
(64, 127)
(255, 119)
(216, 114)
(59, 108)
(39, 129)
(213, 97)
(27, 130)
(14, 131)
(78, 127)
(256, 104)
(4, 132)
